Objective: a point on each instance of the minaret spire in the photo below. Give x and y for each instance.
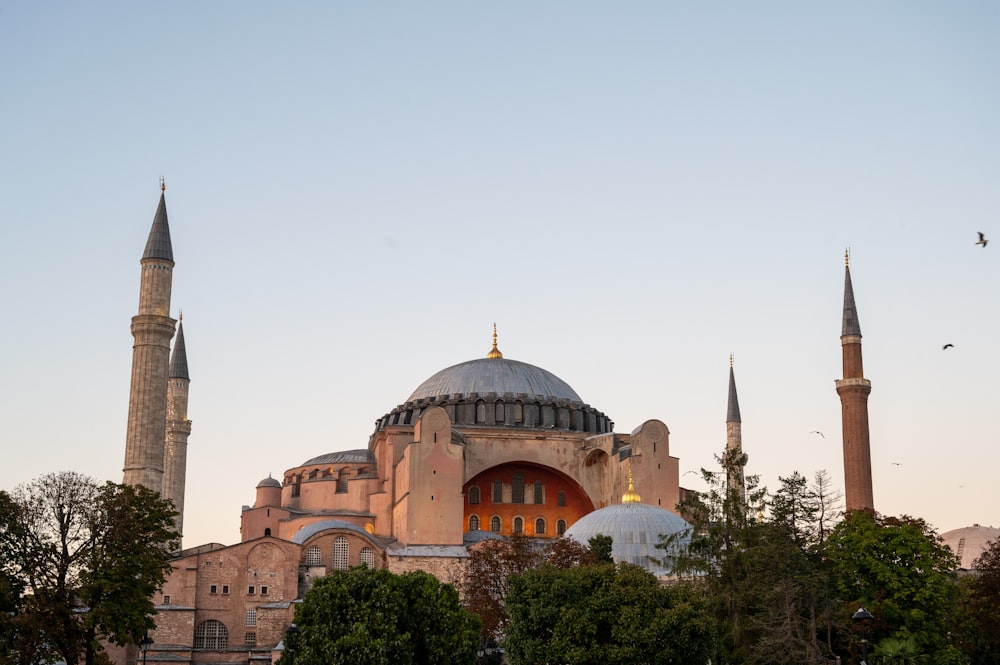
(854, 389)
(734, 437)
(178, 427)
(152, 329)
(494, 352)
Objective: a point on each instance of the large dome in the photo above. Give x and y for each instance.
(495, 375)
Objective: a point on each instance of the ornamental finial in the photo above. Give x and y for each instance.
(494, 352)
(847, 257)
(630, 496)
(163, 184)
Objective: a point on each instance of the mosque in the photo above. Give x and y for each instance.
(487, 446)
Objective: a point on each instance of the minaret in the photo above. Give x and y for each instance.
(152, 329)
(734, 436)
(178, 427)
(853, 390)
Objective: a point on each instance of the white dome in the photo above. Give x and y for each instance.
(969, 542)
(635, 530)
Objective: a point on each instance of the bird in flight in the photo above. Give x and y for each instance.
(947, 346)
(982, 239)
(896, 463)
(818, 432)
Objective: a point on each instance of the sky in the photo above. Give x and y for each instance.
(630, 191)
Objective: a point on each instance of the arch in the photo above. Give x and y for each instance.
(474, 495)
(561, 498)
(495, 524)
(341, 553)
(313, 556)
(211, 634)
(342, 481)
(473, 522)
(561, 527)
(518, 525)
(498, 412)
(540, 526)
(267, 531)
(480, 411)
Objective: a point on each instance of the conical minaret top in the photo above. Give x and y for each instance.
(178, 359)
(158, 244)
(733, 412)
(851, 325)
(734, 437)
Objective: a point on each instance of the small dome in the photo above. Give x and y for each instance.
(635, 529)
(969, 543)
(362, 456)
(269, 482)
(495, 375)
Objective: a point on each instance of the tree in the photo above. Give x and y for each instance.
(485, 585)
(375, 617)
(978, 614)
(898, 569)
(605, 614)
(89, 558)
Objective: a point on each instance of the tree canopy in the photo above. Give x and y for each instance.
(81, 562)
(375, 617)
(613, 615)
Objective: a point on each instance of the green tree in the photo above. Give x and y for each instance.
(485, 585)
(977, 617)
(898, 569)
(375, 617)
(605, 614)
(89, 558)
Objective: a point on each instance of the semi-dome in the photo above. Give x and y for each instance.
(495, 375)
(635, 529)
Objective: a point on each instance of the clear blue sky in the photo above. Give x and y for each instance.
(631, 191)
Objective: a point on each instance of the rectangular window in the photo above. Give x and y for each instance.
(225, 589)
(263, 590)
(517, 488)
(538, 492)
(497, 491)
(251, 591)
(166, 600)
(250, 640)
(213, 589)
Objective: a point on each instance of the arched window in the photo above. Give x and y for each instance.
(495, 524)
(499, 412)
(267, 531)
(211, 634)
(473, 495)
(561, 527)
(251, 618)
(480, 411)
(474, 523)
(497, 491)
(517, 488)
(539, 527)
(340, 553)
(368, 557)
(562, 497)
(538, 492)
(518, 525)
(518, 412)
(313, 556)
(342, 481)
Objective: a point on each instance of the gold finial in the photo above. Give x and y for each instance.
(730, 361)
(630, 496)
(494, 352)
(163, 184)
(180, 317)
(847, 257)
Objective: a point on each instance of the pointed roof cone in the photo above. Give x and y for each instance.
(158, 245)
(178, 359)
(733, 412)
(851, 324)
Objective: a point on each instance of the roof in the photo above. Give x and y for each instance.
(178, 358)
(268, 482)
(851, 325)
(158, 244)
(635, 529)
(968, 543)
(733, 412)
(307, 532)
(495, 375)
(361, 456)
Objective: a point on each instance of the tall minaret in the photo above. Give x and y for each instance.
(152, 329)
(853, 390)
(178, 427)
(734, 435)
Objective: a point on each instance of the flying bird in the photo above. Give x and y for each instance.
(982, 239)
(818, 432)
(896, 463)
(947, 346)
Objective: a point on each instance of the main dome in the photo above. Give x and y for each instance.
(495, 375)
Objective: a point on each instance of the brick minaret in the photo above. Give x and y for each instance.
(734, 435)
(152, 329)
(178, 427)
(853, 390)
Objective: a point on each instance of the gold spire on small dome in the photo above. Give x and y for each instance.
(630, 495)
(494, 352)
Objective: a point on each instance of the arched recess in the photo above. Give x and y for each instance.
(530, 478)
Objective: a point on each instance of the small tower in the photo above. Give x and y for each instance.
(178, 427)
(853, 390)
(152, 329)
(734, 437)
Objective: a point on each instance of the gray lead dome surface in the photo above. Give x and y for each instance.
(495, 375)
